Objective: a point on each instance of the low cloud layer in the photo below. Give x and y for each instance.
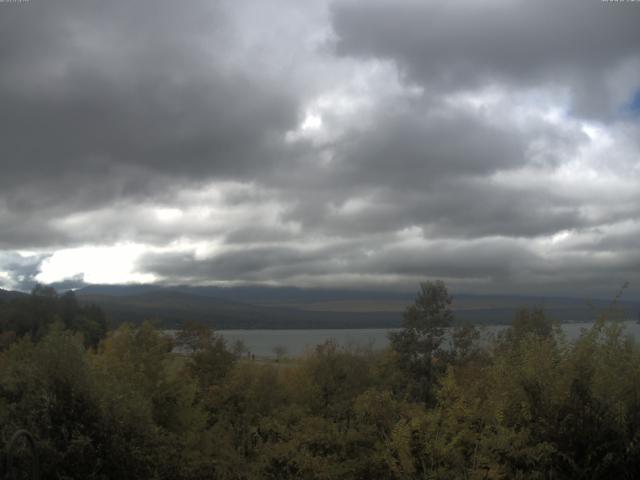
(343, 143)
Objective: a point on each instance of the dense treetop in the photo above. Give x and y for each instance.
(525, 404)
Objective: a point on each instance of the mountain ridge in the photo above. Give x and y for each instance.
(293, 307)
(249, 307)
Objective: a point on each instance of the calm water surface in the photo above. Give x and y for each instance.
(262, 343)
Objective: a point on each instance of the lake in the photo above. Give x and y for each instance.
(295, 342)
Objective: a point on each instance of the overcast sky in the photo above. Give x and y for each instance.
(368, 144)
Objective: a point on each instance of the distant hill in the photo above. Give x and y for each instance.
(170, 307)
(9, 295)
(290, 307)
(251, 294)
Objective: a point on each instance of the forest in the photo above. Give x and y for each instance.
(441, 402)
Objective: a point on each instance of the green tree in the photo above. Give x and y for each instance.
(33, 316)
(464, 344)
(423, 329)
(193, 336)
(529, 321)
(209, 358)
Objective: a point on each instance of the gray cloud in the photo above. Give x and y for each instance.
(590, 47)
(483, 265)
(72, 283)
(18, 271)
(102, 102)
(338, 143)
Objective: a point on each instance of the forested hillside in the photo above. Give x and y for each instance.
(263, 307)
(528, 405)
(32, 315)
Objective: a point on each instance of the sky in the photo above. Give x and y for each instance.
(333, 143)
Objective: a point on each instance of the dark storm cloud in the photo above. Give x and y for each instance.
(408, 150)
(490, 264)
(435, 170)
(455, 45)
(256, 234)
(111, 100)
(247, 264)
(497, 261)
(453, 209)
